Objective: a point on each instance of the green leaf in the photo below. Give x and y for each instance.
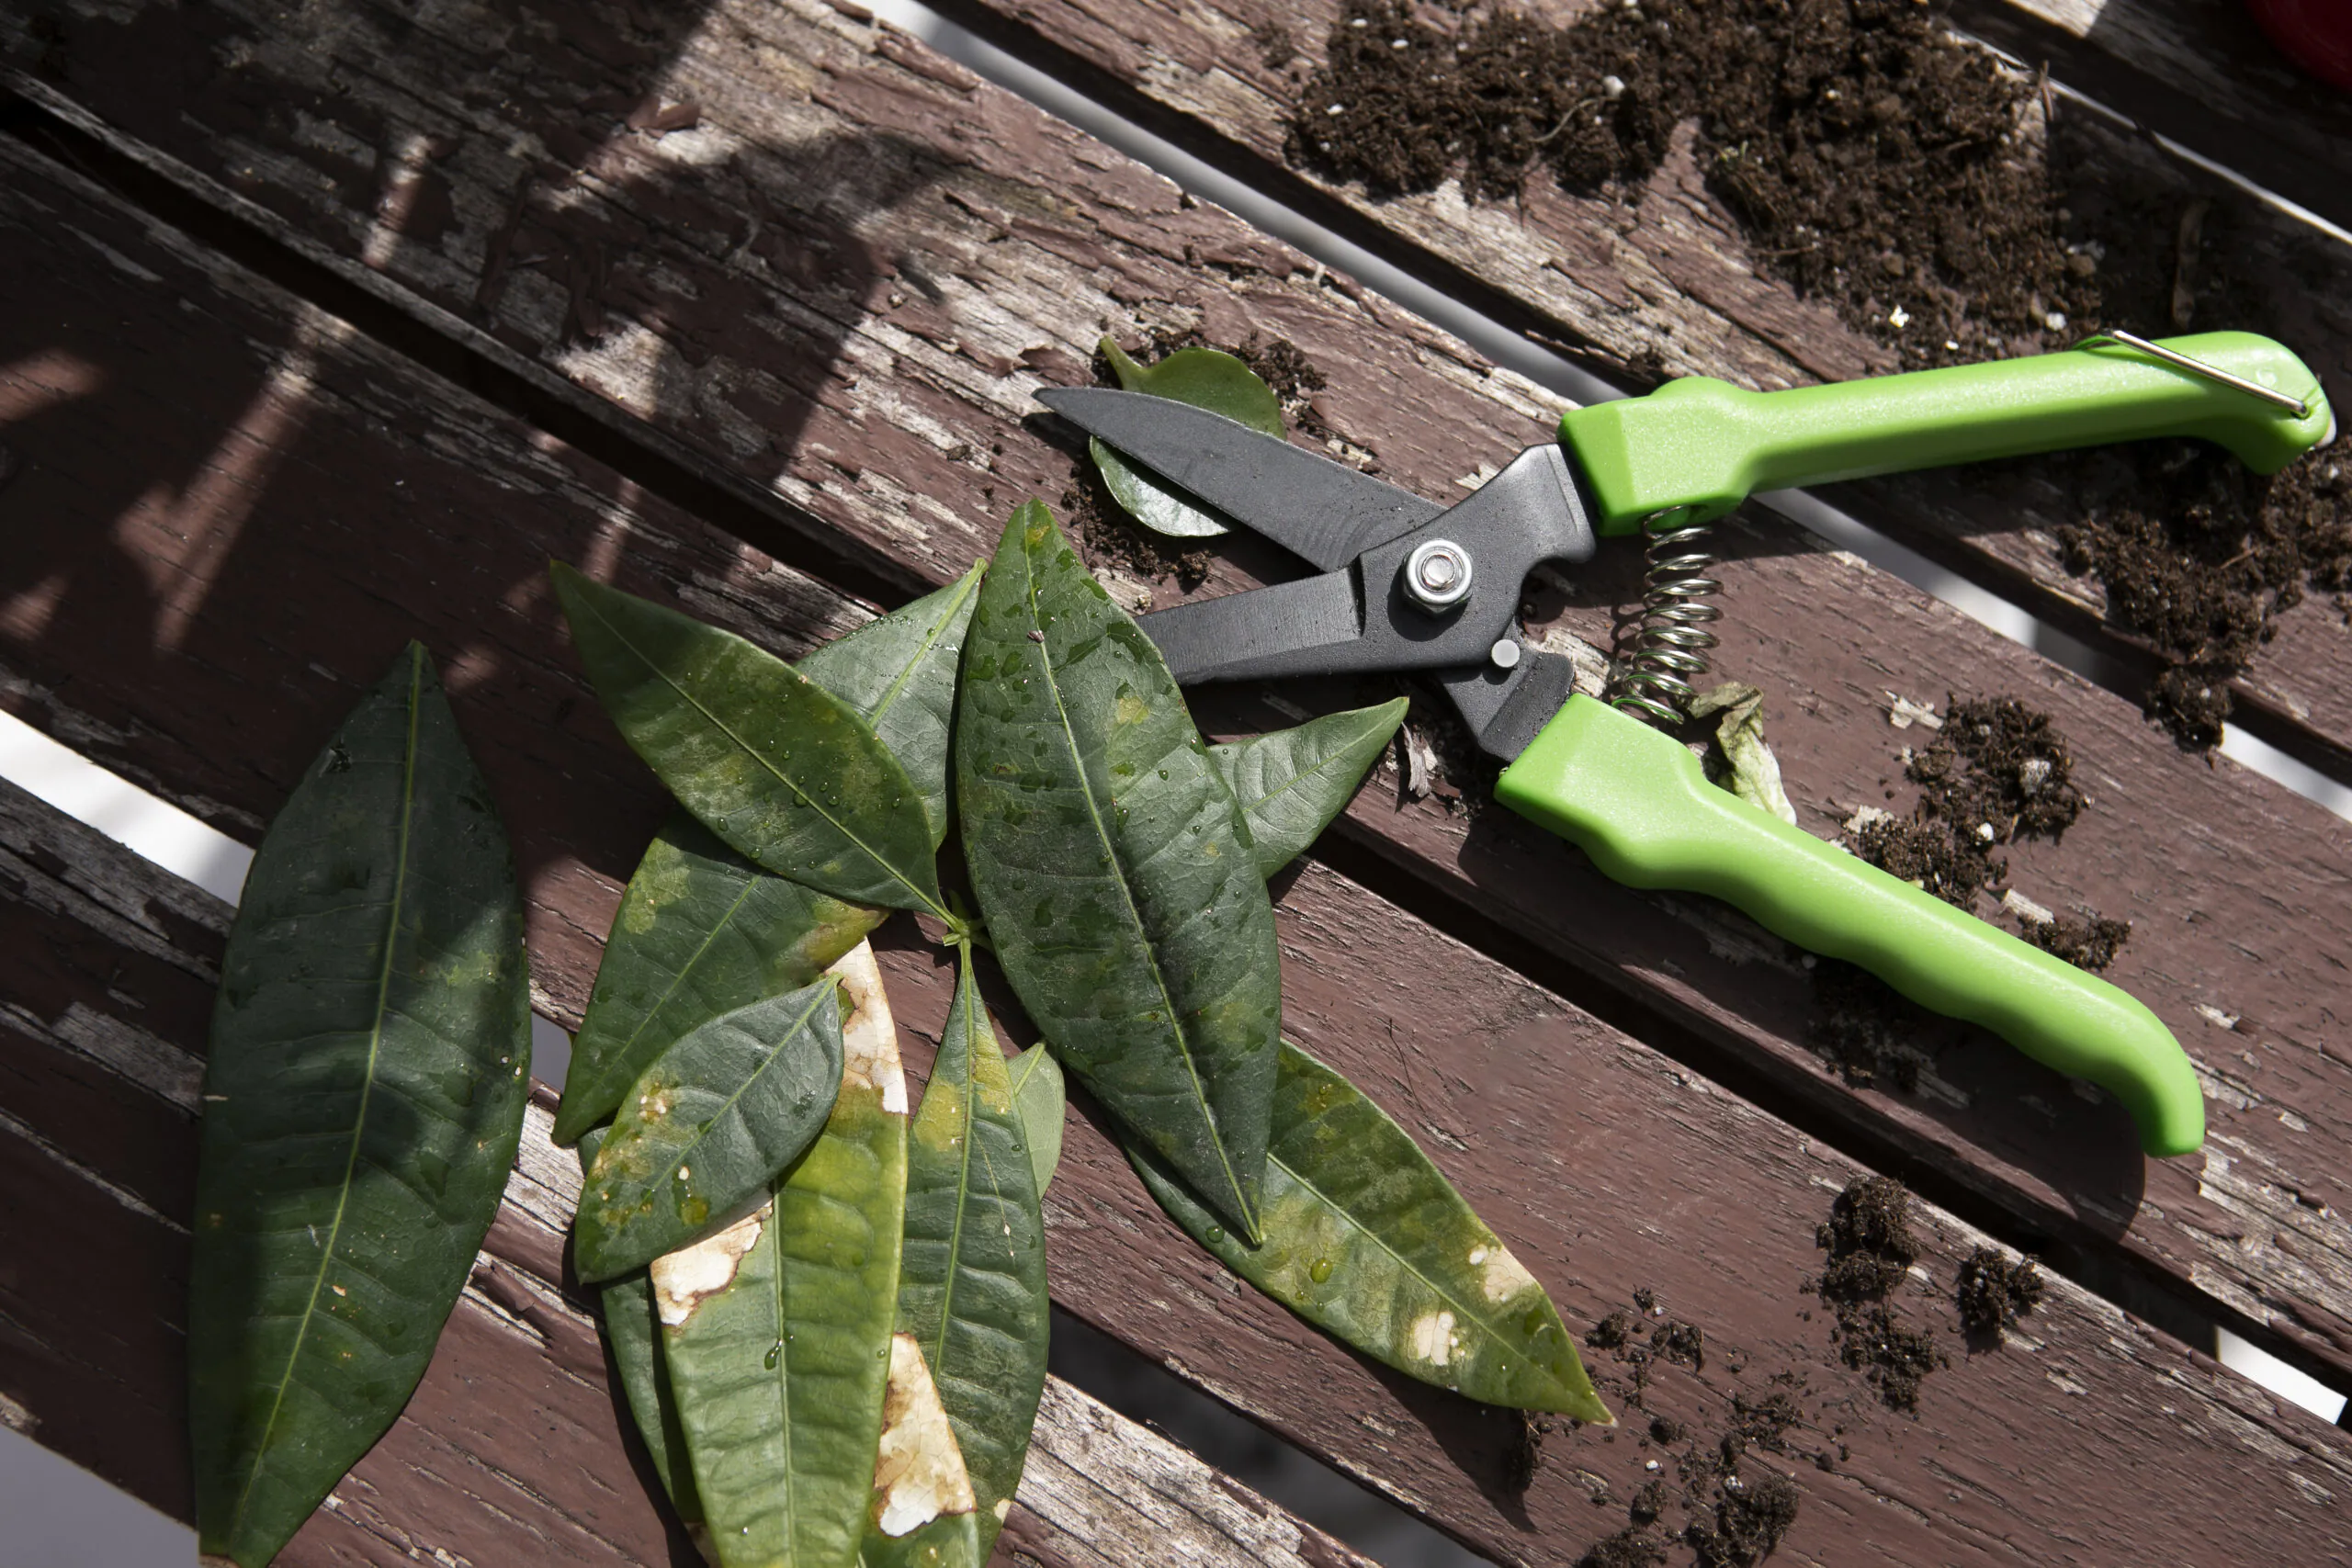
(900, 671)
(362, 1103)
(708, 1127)
(1367, 1241)
(1206, 379)
(1121, 900)
(774, 764)
(777, 1329)
(1039, 1096)
(972, 1291)
(923, 1513)
(700, 933)
(1291, 782)
(634, 1335)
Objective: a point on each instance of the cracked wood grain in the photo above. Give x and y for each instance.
(994, 226)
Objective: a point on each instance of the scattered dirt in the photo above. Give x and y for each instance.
(1612, 1333)
(1871, 1251)
(2201, 555)
(1996, 772)
(1929, 195)
(1683, 1342)
(1749, 1521)
(1633, 1547)
(2089, 944)
(1994, 1294)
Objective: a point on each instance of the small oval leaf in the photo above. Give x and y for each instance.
(700, 933)
(363, 1100)
(1203, 376)
(900, 671)
(774, 764)
(776, 1330)
(1124, 905)
(634, 1335)
(1366, 1240)
(972, 1290)
(708, 1127)
(1039, 1097)
(1290, 783)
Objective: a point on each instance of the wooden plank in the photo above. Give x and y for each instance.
(513, 1450)
(1479, 1062)
(909, 442)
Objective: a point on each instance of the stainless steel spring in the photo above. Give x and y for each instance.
(1671, 643)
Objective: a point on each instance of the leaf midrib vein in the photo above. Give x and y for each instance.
(359, 1121)
(770, 768)
(1126, 896)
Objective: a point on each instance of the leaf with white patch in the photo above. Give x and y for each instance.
(972, 1291)
(700, 933)
(900, 671)
(779, 767)
(1366, 1240)
(712, 1124)
(363, 1099)
(1038, 1095)
(1290, 783)
(777, 1330)
(923, 1513)
(634, 1335)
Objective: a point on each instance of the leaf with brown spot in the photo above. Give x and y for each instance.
(633, 1333)
(1369, 1242)
(712, 1124)
(924, 1514)
(776, 1332)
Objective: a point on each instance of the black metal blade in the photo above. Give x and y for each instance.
(1504, 708)
(1325, 511)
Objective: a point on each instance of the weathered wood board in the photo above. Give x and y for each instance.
(938, 301)
(1478, 1061)
(514, 1449)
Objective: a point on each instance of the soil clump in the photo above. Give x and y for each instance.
(1993, 1292)
(1871, 1251)
(1925, 193)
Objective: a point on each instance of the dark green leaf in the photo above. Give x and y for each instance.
(634, 1335)
(362, 1103)
(900, 671)
(708, 1127)
(1208, 379)
(774, 764)
(972, 1290)
(1124, 905)
(1368, 1242)
(923, 1513)
(1037, 1095)
(1291, 782)
(701, 932)
(777, 1329)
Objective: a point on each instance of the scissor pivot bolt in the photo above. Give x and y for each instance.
(1436, 575)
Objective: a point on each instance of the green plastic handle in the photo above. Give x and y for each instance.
(1637, 801)
(1706, 444)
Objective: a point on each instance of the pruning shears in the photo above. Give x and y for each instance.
(1403, 583)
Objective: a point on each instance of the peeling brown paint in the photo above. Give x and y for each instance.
(919, 1472)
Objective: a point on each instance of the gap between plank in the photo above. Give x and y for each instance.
(1510, 334)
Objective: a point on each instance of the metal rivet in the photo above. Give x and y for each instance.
(1436, 575)
(1504, 654)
